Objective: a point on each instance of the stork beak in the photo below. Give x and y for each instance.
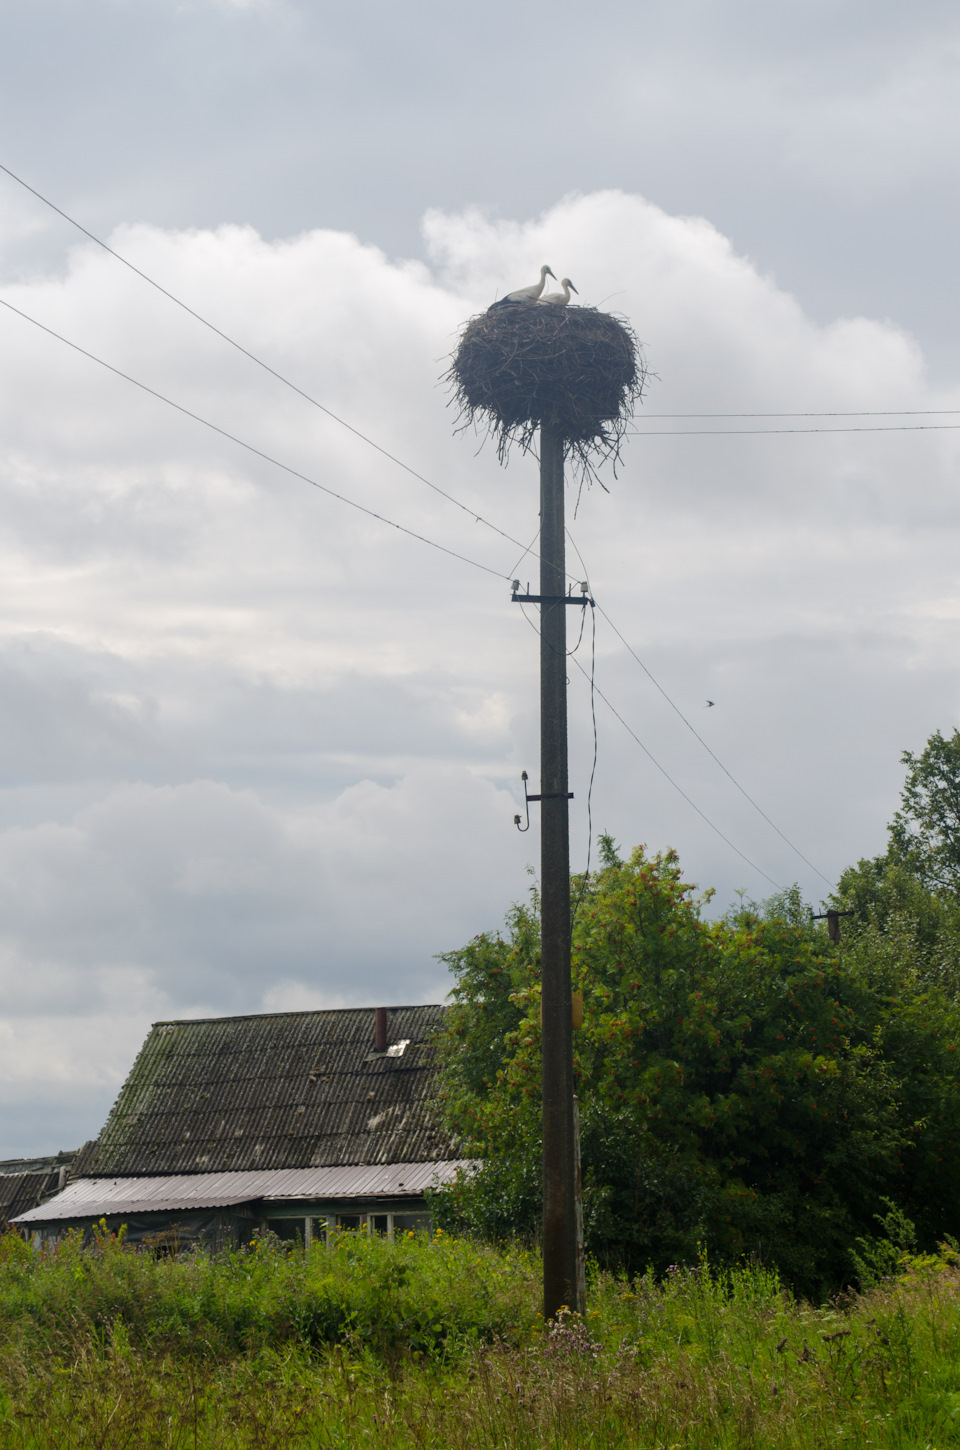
(551, 273)
(571, 286)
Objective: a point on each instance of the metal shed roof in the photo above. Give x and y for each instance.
(285, 1090)
(93, 1197)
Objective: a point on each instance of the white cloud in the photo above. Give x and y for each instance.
(888, 132)
(258, 751)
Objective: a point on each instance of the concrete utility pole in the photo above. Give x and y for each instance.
(510, 361)
(561, 1280)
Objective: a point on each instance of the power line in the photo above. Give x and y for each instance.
(728, 773)
(596, 750)
(825, 413)
(527, 550)
(250, 448)
(361, 508)
(324, 488)
(703, 816)
(419, 476)
(765, 432)
(254, 359)
(427, 482)
(822, 413)
(676, 708)
(594, 691)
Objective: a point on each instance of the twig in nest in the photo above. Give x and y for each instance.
(575, 368)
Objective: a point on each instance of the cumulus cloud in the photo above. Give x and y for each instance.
(260, 751)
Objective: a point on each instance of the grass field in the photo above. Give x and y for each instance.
(437, 1343)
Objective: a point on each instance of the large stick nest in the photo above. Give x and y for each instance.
(524, 364)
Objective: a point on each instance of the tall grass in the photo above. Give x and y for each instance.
(439, 1344)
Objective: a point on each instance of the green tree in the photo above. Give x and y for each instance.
(742, 1083)
(925, 832)
(906, 902)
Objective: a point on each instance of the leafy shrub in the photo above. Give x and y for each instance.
(741, 1083)
(415, 1295)
(697, 1359)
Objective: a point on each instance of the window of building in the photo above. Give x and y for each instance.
(288, 1229)
(411, 1223)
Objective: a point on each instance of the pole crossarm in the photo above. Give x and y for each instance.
(578, 599)
(527, 798)
(832, 918)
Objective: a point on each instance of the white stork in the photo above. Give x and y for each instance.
(560, 299)
(526, 294)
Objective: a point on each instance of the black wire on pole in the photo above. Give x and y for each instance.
(250, 448)
(770, 432)
(593, 769)
(527, 550)
(372, 513)
(662, 769)
(713, 755)
(824, 413)
(702, 814)
(676, 708)
(442, 492)
(255, 359)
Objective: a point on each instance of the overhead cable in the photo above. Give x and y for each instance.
(662, 433)
(596, 750)
(590, 677)
(429, 484)
(250, 448)
(713, 755)
(676, 708)
(650, 756)
(253, 357)
(371, 513)
(824, 413)
(766, 432)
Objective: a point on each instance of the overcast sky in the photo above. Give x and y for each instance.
(258, 750)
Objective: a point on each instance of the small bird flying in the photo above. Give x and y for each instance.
(560, 299)
(526, 294)
(710, 704)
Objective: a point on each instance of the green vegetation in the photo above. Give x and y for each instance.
(770, 1122)
(438, 1345)
(743, 1084)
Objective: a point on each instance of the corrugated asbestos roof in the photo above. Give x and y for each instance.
(46, 1163)
(288, 1090)
(20, 1191)
(91, 1197)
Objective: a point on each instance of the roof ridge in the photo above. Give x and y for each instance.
(302, 1012)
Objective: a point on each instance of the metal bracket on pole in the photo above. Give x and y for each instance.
(583, 598)
(527, 798)
(832, 918)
